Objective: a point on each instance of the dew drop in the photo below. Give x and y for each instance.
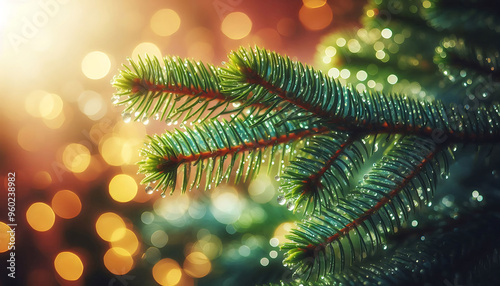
(157, 116)
(277, 178)
(145, 120)
(290, 206)
(127, 117)
(236, 104)
(168, 121)
(115, 99)
(182, 125)
(163, 195)
(149, 190)
(281, 200)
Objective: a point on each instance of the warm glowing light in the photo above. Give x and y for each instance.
(118, 261)
(5, 237)
(426, 4)
(146, 48)
(282, 230)
(226, 204)
(68, 265)
(40, 216)
(42, 179)
(66, 204)
(197, 265)
(316, 18)
(261, 190)
(167, 272)
(370, 13)
(76, 157)
(208, 244)
(122, 188)
(96, 65)
(110, 226)
(165, 22)
(92, 104)
(286, 27)
(50, 106)
(127, 241)
(236, 25)
(314, 3)
(172, 209)
(111, 150)
(29, 138)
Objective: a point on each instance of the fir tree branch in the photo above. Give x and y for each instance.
(211, 143)
(180, 86)
(359, 225)
(258, 75)
(323, 173)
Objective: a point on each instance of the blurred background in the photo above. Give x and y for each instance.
(82, 217)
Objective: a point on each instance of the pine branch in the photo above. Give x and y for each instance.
(258, 75)
(180, 86)
(208, 145)
(358, 226)
(322, 175)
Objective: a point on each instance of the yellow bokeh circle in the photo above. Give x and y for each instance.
(96, 65)
(76, 157)
(66, 204)
(40, 216)
(165, 22)
(236, 25)
(118, 261)
(167, 272)
(122, 188)
(68, 265)
(110, 226)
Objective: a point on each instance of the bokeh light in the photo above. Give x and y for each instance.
(159, 238)
(96, 65)
(4, 237)
(316, 18)
(314, 3)
(197, 265)
(66, 204)
(76, 157)
(110, 226)
(92, 104)
(68, 265)
(146, 48)
(118, 261)
(282, 230)
(165, 22)
(127, 240)
(236, 25)
(40, 216)
(122, 188)
(261, 190)
(226, 204)
(167, 272)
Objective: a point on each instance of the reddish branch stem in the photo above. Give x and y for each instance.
(368, 213)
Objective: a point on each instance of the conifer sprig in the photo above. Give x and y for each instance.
(282, 106)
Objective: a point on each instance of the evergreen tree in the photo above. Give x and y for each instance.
(366, 169)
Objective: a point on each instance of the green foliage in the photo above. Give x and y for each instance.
(358, 164)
